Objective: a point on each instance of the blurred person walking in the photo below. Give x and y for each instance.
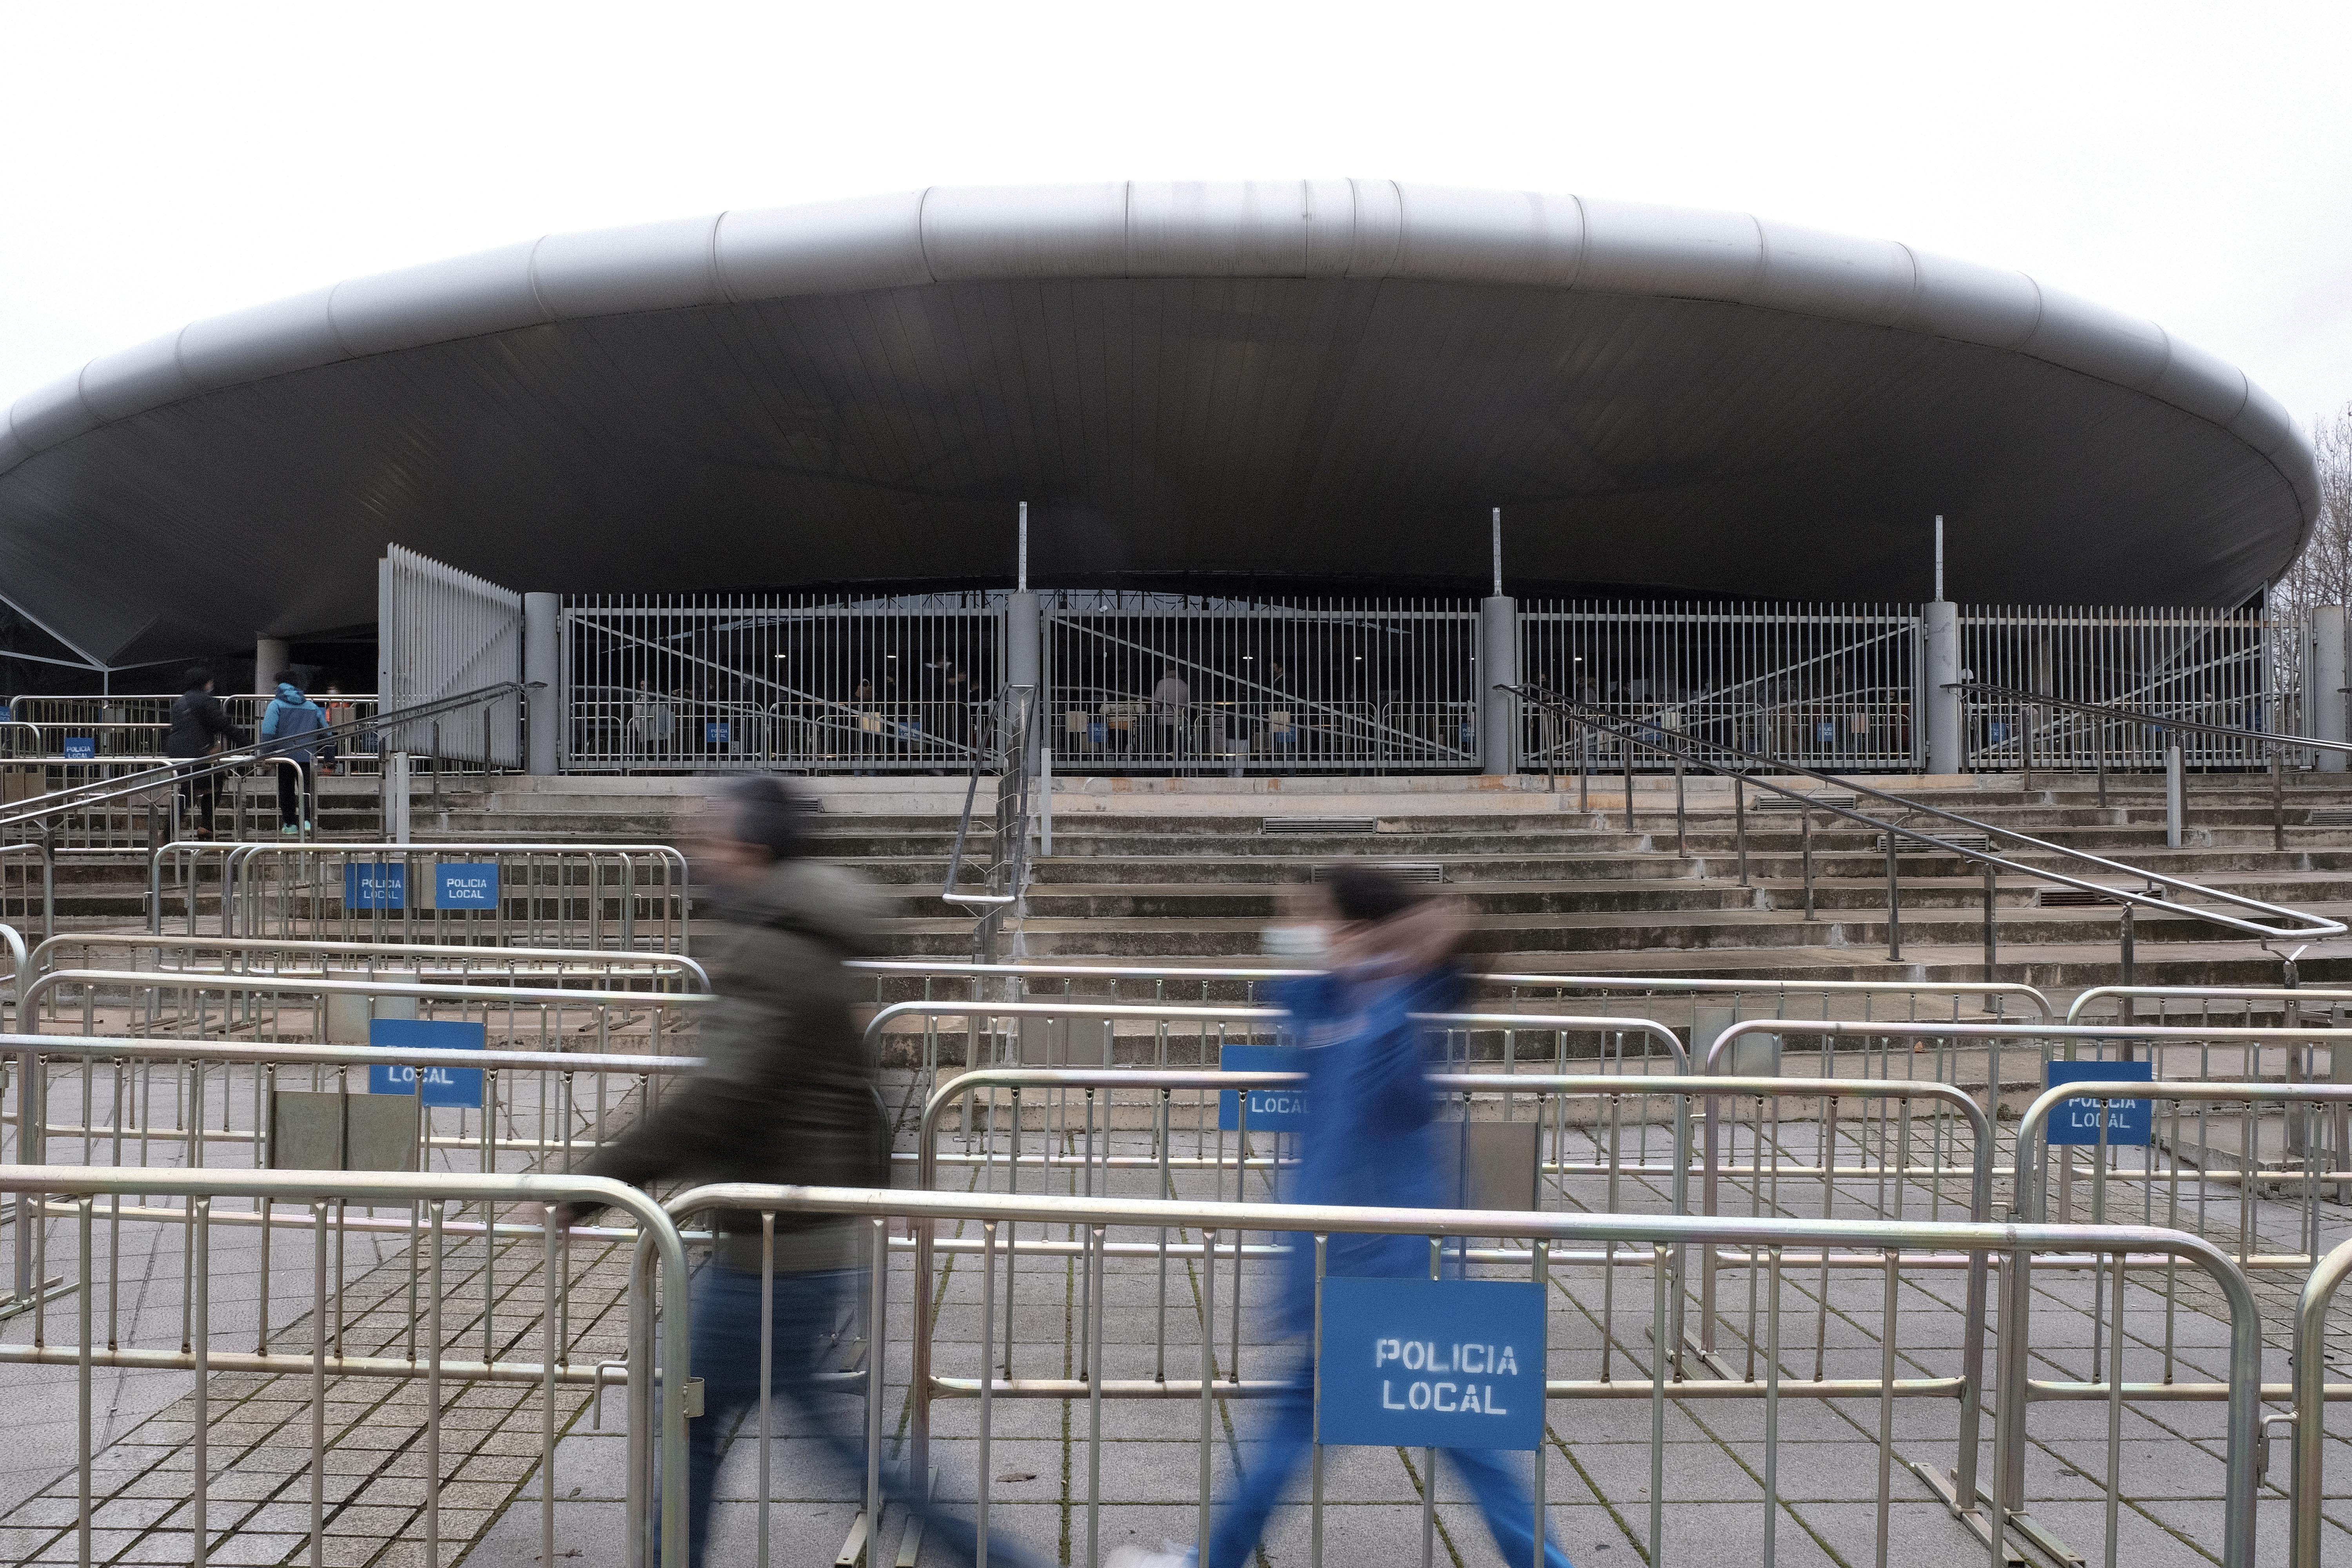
(199, 728)
(786, 1095)
(287, 727)
(1390, 948)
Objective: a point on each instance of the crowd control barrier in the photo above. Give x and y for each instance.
(424, 962)
(415, 1326)
(1554, 1248)
(624, 896)
(2306, 1487)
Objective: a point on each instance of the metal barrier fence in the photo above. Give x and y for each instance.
(28, 886)
(114, 1233)
(269, 1008)
(1160, 683)
(1828, 685)
(622, 895)
(1663, 998)
(1558, 1251)
(2236, 667)
(2308, 1486)
(425, 961)
(664, 682)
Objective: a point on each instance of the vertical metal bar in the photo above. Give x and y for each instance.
(768, 1375)
(1805, 816)
(200, 1487)
(1739, 822)
(1886, 1325)
(319, 1383)
(83, 1371)
(1093, 1331)
(1894, 905)
(1992, 941)
(433, 1393)
(987, 1388)
(1208, 1369)
(877, 1335)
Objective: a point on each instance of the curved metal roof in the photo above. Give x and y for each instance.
(1298, 382)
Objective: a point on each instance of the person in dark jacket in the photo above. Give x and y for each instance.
(289, 728)
(1374, 1143)
(787, 1094)
(199, 728)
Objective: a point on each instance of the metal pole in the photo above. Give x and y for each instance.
(1805, 834)
(2176, 798)
(1681, 847)
(1992, 941)
(1021, 567)
(2125, 943)
(1894, 905)
(1739, 823)
(2278, 802)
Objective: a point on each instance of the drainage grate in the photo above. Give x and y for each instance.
(2073, 898)
(1822, 797)
(1980, 843)
(1420, 871)
(1320, 825)
(2329, 817)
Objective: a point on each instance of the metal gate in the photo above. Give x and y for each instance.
(2238, 668)
(717, 682)
(1831, 686)
(441, 633)
(1160, 683)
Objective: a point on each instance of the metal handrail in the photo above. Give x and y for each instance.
(182, 770)
(2140, 716)
(2306, 927)
(1009, 859)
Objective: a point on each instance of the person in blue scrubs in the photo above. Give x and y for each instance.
(1390, 948)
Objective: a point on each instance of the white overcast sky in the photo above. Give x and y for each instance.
(2189, 163)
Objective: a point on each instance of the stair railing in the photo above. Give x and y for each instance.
(1009, 720)
(1744, 767)
(2278, 745)
(43, 815)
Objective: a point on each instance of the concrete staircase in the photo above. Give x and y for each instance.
(1189, 869)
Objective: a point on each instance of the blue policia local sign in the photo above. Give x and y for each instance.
(2130, 1121)
(1270, 1109)
(1443, 1363)
(376, 887)
(465, 886)
(443, 1086)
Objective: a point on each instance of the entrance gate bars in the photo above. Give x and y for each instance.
(1156, 683)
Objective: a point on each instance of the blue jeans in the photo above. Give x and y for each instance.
(726, 1358)
(1492, 1474)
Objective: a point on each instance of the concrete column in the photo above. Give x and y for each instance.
(2324, 701)
(1498, 665)
(2176, 799)
(543, 674)
(1025, 658)
(269, 656)
(1941, 618)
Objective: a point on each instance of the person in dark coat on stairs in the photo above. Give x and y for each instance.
(199, 728)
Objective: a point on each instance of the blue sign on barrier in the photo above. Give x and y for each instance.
(1270, 1109)
(716, 732)
(443, 1086)
(2077, 1121)
(1424, 1364)
(466, 886)
(376, 887)
(80, 749)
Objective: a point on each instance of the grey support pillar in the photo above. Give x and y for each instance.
(2323, 705)
(1941, 620)
(1024, 662)
(1498, 665)
(270, 657)
(543, 674)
